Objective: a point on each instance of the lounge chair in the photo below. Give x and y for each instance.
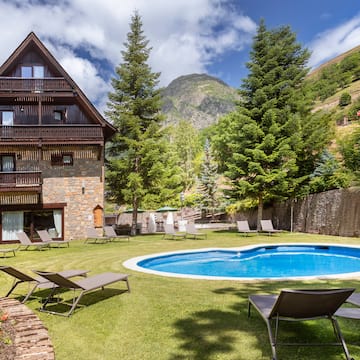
(267, 226)
(193, 232)
(6, 250)
(171, 233)
(349, 312)
(83, 285)
(45, 238)
(38, 281)
(92, 236)
(26, 242)
(354, 299)
(300, 305)
(243, 227)
(112, 235)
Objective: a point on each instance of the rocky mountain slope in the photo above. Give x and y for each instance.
(198, 98)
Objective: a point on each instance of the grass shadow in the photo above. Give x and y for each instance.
(212, 334)
(63, 305)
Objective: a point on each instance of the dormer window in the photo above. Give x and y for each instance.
(34, 71)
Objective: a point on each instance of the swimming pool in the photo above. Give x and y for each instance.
(267, 261)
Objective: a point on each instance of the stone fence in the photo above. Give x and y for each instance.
(335, 212)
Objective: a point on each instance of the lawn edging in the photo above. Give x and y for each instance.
(31, 336)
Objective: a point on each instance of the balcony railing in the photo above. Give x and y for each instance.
(20, 179)
(15, 84)
(45, 133)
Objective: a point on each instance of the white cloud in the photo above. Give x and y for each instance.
(185, 35)
(335, 41)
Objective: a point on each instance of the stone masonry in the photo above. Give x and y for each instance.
(32, 340)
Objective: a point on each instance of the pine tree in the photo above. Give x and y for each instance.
(209, 180)
(260, 143)
(138, 158)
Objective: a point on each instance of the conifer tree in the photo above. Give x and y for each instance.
(139, 164)
(262, 144)
(208, 186)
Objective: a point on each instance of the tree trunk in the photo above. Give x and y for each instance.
(260, 212)
(134, 217)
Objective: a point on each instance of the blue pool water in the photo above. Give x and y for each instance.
(263, 262)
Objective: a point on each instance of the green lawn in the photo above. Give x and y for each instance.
(172, 318)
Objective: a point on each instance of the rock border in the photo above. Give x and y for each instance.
(32, 340)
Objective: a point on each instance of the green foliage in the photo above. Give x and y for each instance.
(208, 180)
(350, 151)
(335, 76)
(141, 170)
(328, 174)
(259, 145)
(345, 99)
(187, 146)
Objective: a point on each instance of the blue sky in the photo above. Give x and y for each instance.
(187, 36)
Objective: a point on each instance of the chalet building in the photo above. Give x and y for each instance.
(51, 148)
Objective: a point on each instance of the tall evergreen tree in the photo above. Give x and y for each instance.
(260, 143)
(208, 180)
(138, 156)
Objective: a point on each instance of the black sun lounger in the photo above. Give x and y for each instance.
(83, 285)
(300, 305)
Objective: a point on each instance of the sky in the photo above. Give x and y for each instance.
(186, 36)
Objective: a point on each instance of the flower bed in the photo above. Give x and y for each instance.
(24, 335)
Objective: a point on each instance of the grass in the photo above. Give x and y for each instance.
(172, 318)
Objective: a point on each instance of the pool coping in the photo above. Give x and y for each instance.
(132, 264)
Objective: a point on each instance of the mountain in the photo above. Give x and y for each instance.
(198, 98)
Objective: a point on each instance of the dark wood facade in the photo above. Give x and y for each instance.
(49, 131)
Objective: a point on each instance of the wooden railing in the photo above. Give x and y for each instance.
(51, 132)
(18, 179)
(15, 84)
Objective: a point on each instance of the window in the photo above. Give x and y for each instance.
(35, 71)
(58, 115)
(38, 72)
(7, 163)
(26, 71)
(7, 118)
(62, 159)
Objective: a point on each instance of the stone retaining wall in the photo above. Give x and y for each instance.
(32, 340)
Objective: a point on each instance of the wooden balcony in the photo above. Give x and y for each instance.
(15, 84)
(20, 181)
(53, 134)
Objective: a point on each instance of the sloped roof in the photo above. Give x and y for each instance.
(32, 41)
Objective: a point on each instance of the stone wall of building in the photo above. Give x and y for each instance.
(81, 187)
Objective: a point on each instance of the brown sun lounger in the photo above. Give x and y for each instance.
(300, 305)
(267, 227)
(6, 250)
(26, 242)
(171, 233)
(84, 286)
(112, 235)
(244, 228)
(93, 237)
(191, 231)
(351, 312)
(45, 238)
(38, 281)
